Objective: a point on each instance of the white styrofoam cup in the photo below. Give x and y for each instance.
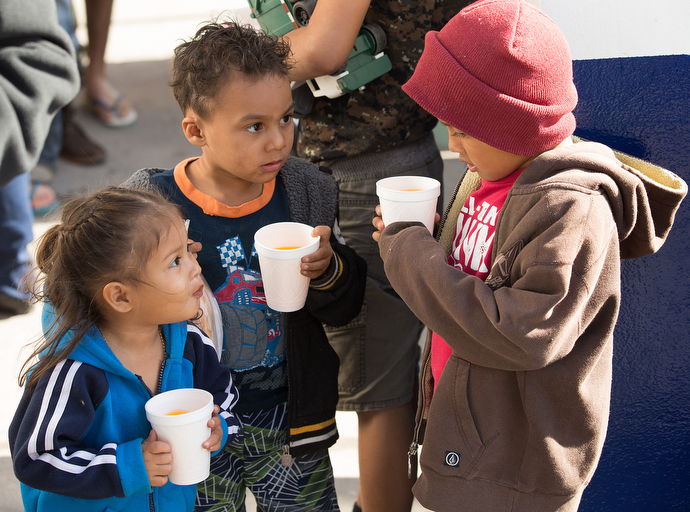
(180, 418)
(408, 198)
(281, 247)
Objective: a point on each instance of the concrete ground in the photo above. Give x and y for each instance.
(142, 37)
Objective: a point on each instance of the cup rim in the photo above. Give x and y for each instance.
(430, 188)
(285, 254)
(181, 419)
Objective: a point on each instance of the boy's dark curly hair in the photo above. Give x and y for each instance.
(217, 51)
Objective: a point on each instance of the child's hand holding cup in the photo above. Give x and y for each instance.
(281, 247)
(407, 198)
(180, 418)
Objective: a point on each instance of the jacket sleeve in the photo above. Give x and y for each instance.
(214, 377)
(141, 180)
(46, 438)
(563, 283)
(336, 297)
(38, 76)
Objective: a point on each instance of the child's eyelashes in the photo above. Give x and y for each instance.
(175, 262)
(455, 132)
(257, 127)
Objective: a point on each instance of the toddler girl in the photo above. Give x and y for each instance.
(119, 285)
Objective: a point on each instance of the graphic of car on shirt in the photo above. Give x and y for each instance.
(252, 329)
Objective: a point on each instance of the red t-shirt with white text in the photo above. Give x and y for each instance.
(472, 245)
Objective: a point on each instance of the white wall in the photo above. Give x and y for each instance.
(142, 30)
(594, 28)
(622, 28)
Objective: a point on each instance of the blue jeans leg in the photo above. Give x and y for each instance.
(53, 144)
(16, 232)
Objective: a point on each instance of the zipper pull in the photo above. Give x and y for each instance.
(412, 456)
(285, 457)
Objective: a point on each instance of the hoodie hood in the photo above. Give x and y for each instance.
(93, 350)
(644, 197)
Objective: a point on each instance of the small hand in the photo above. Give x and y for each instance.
(378, 224)
(193, 247)
(157, 459)
(315, 264)
(212, 444)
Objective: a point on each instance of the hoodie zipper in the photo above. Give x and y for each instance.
(413, 452)
(152, 507)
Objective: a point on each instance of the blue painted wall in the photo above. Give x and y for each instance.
(641, 106)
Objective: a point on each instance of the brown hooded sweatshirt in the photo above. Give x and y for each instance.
(519, 416)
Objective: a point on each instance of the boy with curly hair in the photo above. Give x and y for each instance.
(231, 84)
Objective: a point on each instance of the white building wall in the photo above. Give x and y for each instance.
(598, 29)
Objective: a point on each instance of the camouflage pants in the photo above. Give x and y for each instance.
(254, 462)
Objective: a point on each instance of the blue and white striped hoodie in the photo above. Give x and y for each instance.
(76, 437)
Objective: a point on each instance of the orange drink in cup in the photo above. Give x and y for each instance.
(281, 247)
(180, 418)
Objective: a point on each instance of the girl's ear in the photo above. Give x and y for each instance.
(192, 127)
(118, 296)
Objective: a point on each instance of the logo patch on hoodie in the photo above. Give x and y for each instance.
(452, 459)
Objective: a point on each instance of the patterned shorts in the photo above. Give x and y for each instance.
(253, 461)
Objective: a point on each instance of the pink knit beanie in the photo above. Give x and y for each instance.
(501, 72)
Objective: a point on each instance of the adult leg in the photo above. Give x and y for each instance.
(16, 221)
(66, 137)
(385, 436)
(386, 413)
(379, 350)
(99, 90)
(43, 197)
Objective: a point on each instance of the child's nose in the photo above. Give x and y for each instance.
(195, 269)
(453, 144)
(277, 140)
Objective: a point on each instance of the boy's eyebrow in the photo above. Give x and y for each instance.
(252, 117)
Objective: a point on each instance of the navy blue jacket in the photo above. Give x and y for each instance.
(76, 437)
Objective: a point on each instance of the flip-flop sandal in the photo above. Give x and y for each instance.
(116, 121)
(45, 210)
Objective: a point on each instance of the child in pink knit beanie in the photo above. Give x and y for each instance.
(520, 287)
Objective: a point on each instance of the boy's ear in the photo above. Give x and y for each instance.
(193, 130)
(119, 297)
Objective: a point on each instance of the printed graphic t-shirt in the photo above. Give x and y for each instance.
(472, 244)
(254, 345)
